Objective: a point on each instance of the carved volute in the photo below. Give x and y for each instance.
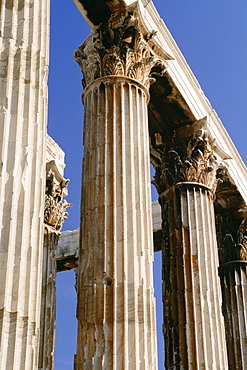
(121, 47)
(187, 156)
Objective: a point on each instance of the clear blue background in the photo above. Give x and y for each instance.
(212, 35)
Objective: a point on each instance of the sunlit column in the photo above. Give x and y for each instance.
(116, 307)
(54, 216)
(23, 115)
(48, 302)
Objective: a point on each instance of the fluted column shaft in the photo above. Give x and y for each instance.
(185, 177)
(231, 233)
(54, 216)
(48, 301)
(193, 329)
(116, 308)
(234, 293)
(23, 110)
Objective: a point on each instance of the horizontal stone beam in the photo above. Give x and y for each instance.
(98, 11)
(67, 250)
(68, 244)
(94, 11)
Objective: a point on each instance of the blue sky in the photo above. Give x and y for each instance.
(212, 35)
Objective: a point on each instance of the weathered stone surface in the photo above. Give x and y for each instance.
(68, 244)
(117, 321)
(231, 224)
(48, 302)
(234, 292)
(185, 101)
(186, 156)
(67, 250)
(156, 216)
(121, 48)
(157, 226)
(185, 178)
(54, 216)
(116, 308)
(24, 44)
(55, 206)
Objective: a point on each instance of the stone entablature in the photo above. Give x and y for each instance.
(67, 250)
(55, 153)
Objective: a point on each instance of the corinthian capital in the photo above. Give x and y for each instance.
(55, 206)
(242, 241)
(121, 48)
(187, 156)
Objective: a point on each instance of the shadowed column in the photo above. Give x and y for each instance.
(54, 216)
(186, 179)
(231, 234)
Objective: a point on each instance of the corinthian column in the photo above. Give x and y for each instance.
(54, 216)
(23, 109)
(185, 178)
(116, 307)
(232, 234)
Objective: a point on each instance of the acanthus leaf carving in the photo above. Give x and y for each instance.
(188, 156)
(242, 241)
(122, 50)
(55, 206)
(232, 237)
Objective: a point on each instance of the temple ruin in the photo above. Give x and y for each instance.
(142, 105)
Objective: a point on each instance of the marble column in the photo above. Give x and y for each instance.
(232, 233)
(185, 179)
(48, 302)
(24, 45)
(116, 306)
(54, 216)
